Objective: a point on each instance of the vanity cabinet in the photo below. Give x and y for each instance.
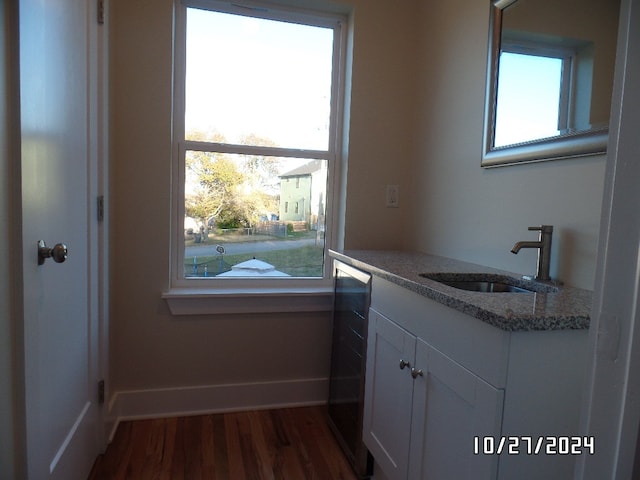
(438, 379)
(423, 408)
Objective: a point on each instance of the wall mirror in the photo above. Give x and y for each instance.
(549, 79)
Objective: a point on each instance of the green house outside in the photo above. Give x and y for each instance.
(303, 194)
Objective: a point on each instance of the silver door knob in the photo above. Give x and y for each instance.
(58, 253)
(404, 364)
(415, 373)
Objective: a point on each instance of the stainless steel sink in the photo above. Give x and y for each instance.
(486, 286)
(489, 283)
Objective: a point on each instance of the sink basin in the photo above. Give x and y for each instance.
(488, 283)
(493, 287)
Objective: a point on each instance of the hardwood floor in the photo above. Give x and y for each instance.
(285, 444)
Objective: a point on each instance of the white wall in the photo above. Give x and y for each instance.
(474, 214)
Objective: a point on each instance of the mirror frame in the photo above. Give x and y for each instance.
(575, 144)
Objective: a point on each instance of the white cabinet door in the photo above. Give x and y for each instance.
(451, 406)
(388, 395)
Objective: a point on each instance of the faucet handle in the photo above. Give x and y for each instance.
(542, 228)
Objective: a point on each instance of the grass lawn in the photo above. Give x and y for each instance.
(298, 262)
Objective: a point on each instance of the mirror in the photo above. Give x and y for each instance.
(549, 79)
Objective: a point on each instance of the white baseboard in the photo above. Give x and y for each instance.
(205, 399)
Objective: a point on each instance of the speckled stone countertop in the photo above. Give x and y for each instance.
(565, 308)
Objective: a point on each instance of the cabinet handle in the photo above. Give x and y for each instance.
(416, 373)
(403, 364)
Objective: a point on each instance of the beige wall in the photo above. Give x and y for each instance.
(149, 347)
(417, 102)
(382, 126)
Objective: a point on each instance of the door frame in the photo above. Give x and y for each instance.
(12, 414)
(99, 187)
(611, 405)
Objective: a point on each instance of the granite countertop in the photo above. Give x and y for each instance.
(564, 309)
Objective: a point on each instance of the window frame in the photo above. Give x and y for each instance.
(182, 288)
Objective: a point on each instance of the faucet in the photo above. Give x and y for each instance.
(544, 250)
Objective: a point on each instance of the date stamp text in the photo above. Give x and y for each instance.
(540, 445)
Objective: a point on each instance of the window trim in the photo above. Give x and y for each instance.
(211, 295)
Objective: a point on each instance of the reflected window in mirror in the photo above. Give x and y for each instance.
(533, 98)
(550, 78)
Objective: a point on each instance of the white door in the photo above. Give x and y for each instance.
(58, 158)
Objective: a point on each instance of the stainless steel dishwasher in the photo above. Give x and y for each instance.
(348, 357)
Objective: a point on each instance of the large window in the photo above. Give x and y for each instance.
(257, 142)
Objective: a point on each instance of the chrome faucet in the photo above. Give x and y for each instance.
(544, 250)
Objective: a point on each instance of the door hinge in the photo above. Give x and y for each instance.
(100, 12)
(100, 205)
(101, 392)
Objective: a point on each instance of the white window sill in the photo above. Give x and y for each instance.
(227, 301)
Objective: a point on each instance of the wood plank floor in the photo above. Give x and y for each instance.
(291, 444)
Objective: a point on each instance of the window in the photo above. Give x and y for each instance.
(534, 91)
(258, 94)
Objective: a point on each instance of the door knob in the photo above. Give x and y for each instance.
(59, 252)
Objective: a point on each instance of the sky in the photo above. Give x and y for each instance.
(528, 98)
(247, 75)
